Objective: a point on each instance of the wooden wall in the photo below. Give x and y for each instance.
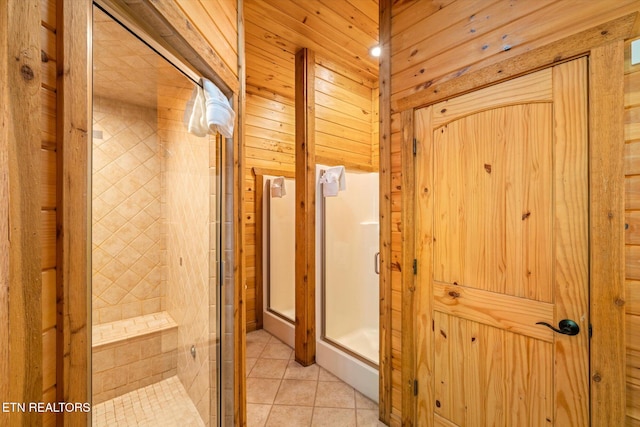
(27, 247)
(632, 236)
(438, 40)
(346, 128)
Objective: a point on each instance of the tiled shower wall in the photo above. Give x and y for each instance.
(154, 204)
(126, 227)
(188, 198)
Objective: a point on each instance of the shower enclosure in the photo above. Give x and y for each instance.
(279, 259)
(348, 299)
(156, 238)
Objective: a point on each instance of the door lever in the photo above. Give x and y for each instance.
(566, 327)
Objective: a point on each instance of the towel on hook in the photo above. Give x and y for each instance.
(195, 113)
(220, 115)
(277, 187)
(333, 181)
(208, 111)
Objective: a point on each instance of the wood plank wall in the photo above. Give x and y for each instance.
(217, 21)
(346, 128)
(438, 40)
(632, 235)
(49, 202)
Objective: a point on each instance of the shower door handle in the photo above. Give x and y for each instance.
(376, 263)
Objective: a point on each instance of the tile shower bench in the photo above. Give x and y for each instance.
(132, 353)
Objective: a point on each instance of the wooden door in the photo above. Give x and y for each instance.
(502, 244)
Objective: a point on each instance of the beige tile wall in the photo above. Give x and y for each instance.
(190, 297)
(164, 221)
(126, 257)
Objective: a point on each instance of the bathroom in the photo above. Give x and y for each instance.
(432, 52)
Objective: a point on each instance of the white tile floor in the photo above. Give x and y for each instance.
(164, 403)
(281, 392)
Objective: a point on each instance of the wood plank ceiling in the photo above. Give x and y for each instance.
(341, 32)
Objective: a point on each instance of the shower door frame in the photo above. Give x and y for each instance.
(74, 127)
(323, 289)
(261, 265)
(215, 142)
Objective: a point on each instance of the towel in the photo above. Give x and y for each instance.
(220, 115)
(333, 181)
(208, 111)
(277, 187)
(195, 113)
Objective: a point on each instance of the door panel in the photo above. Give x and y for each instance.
(492, 214)
(501, 217)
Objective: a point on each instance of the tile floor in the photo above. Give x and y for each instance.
(280, 392)
(164, 403)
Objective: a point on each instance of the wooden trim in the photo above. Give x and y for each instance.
(258, 253)
(73, 216)
(408, 275)
(305, 269)
(562, 50)
(330, 161)
(178, 32)
(4, 208)
(606, 233)
(273, 172)
(385, 381)
(240, 297)
(423, 298)
(20, 153)
(239, 231)
(258, 176)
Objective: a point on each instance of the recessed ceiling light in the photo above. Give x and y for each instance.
(375, 51)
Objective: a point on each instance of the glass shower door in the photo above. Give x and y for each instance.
(281, 226)
(156, 240)
(350, 257)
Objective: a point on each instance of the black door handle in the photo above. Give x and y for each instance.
(566, 327)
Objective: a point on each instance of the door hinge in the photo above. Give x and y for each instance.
(415, 146)
(415, 387)
(415, 266)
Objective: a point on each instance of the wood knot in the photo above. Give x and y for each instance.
(444, 110)
(487, 167)
(526, 215)
(26, 72)
(454, 294)
(619, 302)
(597, 378)
(43, 56)
(604, 32)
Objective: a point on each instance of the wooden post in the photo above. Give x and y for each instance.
(305, 268)
(385, 387)
(20, 257)
(606, 231)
